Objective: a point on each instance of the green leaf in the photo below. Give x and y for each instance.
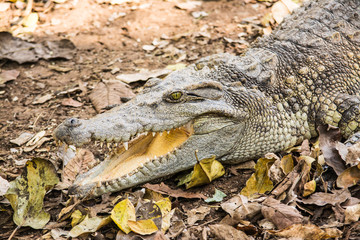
(26, 193)
(217, 197)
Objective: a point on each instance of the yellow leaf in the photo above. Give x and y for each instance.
(287, 163)
(31, 20)
(164, 205)
(122, 213)
(143, 227)
(259, 182)
(77, 217)
(89, 225)
(26, 193)
(309, 188)
(205, 171)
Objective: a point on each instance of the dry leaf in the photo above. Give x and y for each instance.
(76, 218)
(259, 182)
(8, 75)
(280, 214)
(4, 186)
(22, 139)
(226, 232)
(305, 232)
(89, 225)
(328, 137)
(26, 193)
(349, 177)
(197, 214)
(143, 227)
(143, 76)
(109, 93)
(309, 188)
(42, 99)
(16, 49)
(282, 8)
(205, 171)
(240, 208)
(82, 162)
(352, 214)
(122, 213)
(164, 189)
(71, 102)
(321, 198)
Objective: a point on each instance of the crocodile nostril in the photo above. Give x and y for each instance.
(72, 122)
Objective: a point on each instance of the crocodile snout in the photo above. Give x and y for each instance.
(71, 131)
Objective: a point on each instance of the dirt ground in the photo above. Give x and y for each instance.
(110, 39)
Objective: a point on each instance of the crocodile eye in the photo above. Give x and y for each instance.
(176, 96)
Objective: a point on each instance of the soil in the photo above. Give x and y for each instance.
(105, 47)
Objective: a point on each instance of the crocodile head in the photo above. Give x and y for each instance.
(157, 133)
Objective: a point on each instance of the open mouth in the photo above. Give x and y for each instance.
(145, 150)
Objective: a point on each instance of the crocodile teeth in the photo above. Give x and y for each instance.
(168, 132)
(161, 133)
(101, 144)
(154, 133)
(126, 145)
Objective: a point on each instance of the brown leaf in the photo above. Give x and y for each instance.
(240, 208)
(71, 102)
(349, 177)
(108, 93)
(280, 214)
(321, 198)
(226, 232)
(353, 154)
(306, 232)
(328, 138)
(197, 214)
(8, 75)
(81, 163)
(21, 51)
(164, 189)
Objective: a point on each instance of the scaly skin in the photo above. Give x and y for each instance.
(271, 98)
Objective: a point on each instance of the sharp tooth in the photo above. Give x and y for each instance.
(161, 133)
(146, 133)
(153, 133)
(108, 145)
(141, 165)
(101, 144)
(168, 132)
(126, 145)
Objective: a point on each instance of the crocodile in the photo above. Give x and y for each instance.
(272, 97)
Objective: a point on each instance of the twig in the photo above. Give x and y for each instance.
(13, 233)
(29, 8)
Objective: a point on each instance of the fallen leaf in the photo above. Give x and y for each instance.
(349, 177)
(205, 171)
(197, 214)
(287, 163)
(188, 5)
(9, 75)
(71, 102)
(322, 199)
(328, 137)
(107, 93)
(305, 232)
(143, 76)
(222, 231)
(60, 69)
(309, 188)
(280, 214)
(217, 197)
(26, 193)
(122, 213)
(89, 225)
(143, 227)
(76, 218)
(352, 214)
(164, 189)
(42, 99)
(259, 182)
(4, 186)
(282, 8)
(353, 154)
(22, 139)
(240, 208)
(21, 51)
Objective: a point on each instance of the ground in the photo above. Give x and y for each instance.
(110, 39)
